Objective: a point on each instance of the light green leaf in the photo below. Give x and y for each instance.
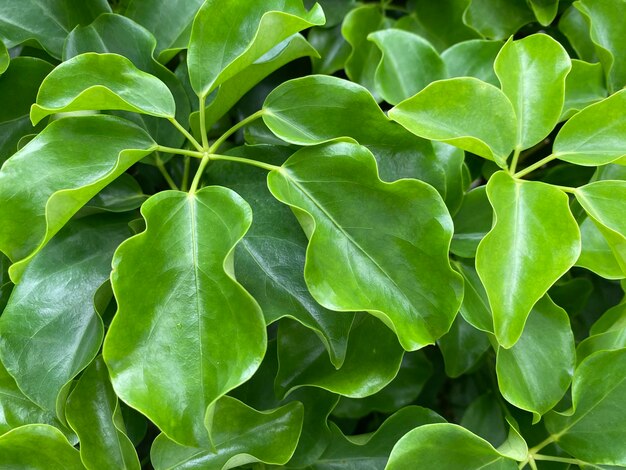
(216, 53)
(514, 447)
(49, 330)
(50, 179)
(594, 136)
(470, 451)
(608, 33)
(240, 435)
(497, 19)
(174, 285)
(46, 21)
(532, 75)
(356, 251)
(534, 241)
(595, 428)
(596, 254)
(408, 64)
(333, 49)
(102, 81)
(335, 10)
(584, 85)
(5, 58)
(372, 360)
(545, 10)
(604, 202)
(471, 223)
(462, 347)
(486, 127)
(93, 412)
(473, 58)
(536, 372)
(576, 29)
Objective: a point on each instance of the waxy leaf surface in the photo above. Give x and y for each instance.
(545, 10)
(497, 19)
(473, 58)
(174, 285)
(595, 253)
(388, 257)
(584, 85)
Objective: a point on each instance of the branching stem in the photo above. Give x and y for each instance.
(247, 161)
(189, 137)
(535, 166)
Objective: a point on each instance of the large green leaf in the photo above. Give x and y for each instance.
(497, 19)
(455, 448)
(536, 372)
(408, 64)
(46, 21)
(102, 81)
(594, 430)
(93, 412)
(473, 58)
(584, 85)
(240, 435)
(174, 285)
(594, 136)
(486, 126)
(228, 37)
(533, 242)
(49, 330)
(388, 256)
(532, 75)
(56, 173)
(596, 254)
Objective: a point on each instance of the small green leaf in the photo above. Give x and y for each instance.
(576, 29)
(93, 412)
(471, 223)
(486, 127)
(607, 333)
(584, 85)
(533, 242)
(408, 64)
(596, 254)
(473, 58)
(5, 58)
(470, 451)
(536, 372)
(595, 428)
(462, 347)
(532, 74)
(545, 10)
(497, 19)
(333, 49)
(102, 81)
(372, 257)
(174, 285)
(240, 435)
(122, 195)
(475, 307)
(484, 417)
(217, 54)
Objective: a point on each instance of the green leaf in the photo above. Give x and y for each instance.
(604, 202)
(5, 58)
(217, 54)
(408, 64)
(594, 136)
(122, 195)
(174, 285)
(372, 360)
(471, 223)
(545, 10)
(240, 435)
(470, 451)
(50, 179)
(584, 85)
(372, 257)
(462, 347)
(607, 333)
(18, 89)
(473, 58)
(536, 372)
(608, 33)
(475, 308)
(595, 428)
(487, 128)
(532, 75)
(596, 254)
(575, 28)
(484, 417)
(497, 19)
(49, 330)
(333, 49)
(102, 81)
(93, 412)
(534, 241)
(46, 21)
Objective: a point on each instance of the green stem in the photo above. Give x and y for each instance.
(532, 464)
(203, 129)
(552, 458)
(191, 138)
(534, 166)
(565, 189)
(247, 161)
(216, 145)
(185, 182)
(165, 173)
(198, 176)
(547, 441)
(516, 153)
(190, 153)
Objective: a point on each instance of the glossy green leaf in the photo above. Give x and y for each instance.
(533, 242)
(604, 202)
(596, 254)
(595, 428)
(174, 285)
(497, 19)
(536, 372)
(240, 435)
(333, 49)
(607, 333)
(355, 250)
(217, 54)
(475, 307)
(46, 21)
(122, 195)
(473, 58)
(608, 32)
(49, 330)
(18, 90)
(573, 25)
(486, 127)
(484, 417)
(102, 81)
(532, 75)
(334, 10)
(462, 347)
(584, 85)
(5, 59)
(594, 136)
(407, 65)
(47, 182)
(545, 10)
(470, 451)
(93, 412)
(372, 360)
(471, 223)
(514, 447)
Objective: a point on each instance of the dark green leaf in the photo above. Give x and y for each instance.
(484, 418)
(462, 347)
(475, 307)
(122, 195)
(584, 85)
(573, 25)
(333, 49)
(497, 19)
(471, 223)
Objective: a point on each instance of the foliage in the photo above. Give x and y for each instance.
(262, 233)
